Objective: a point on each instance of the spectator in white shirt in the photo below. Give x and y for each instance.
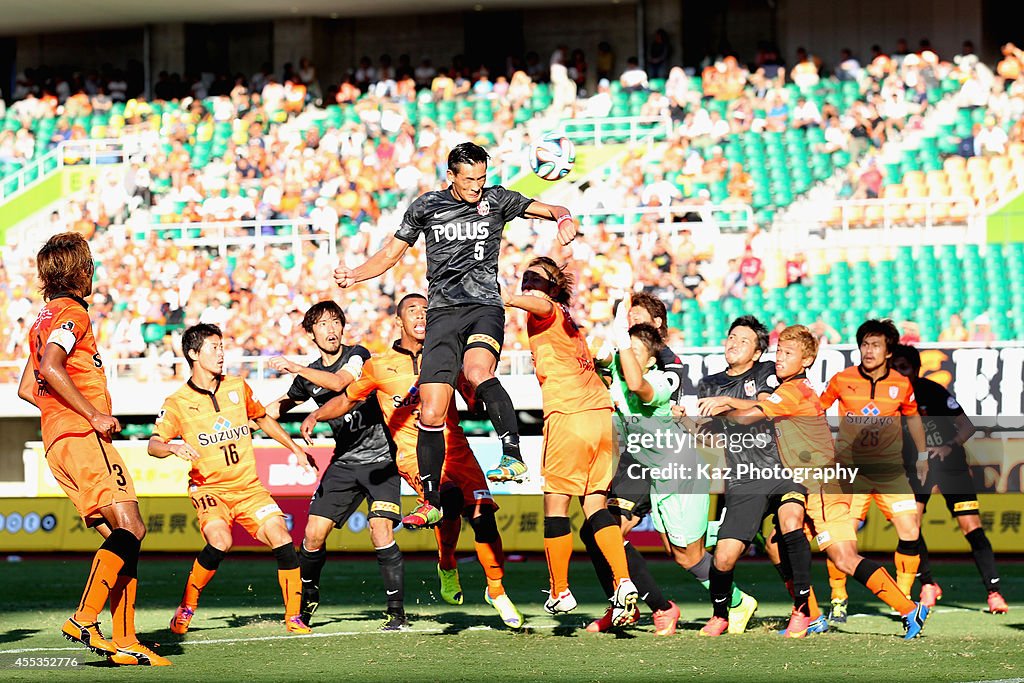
(633, 78)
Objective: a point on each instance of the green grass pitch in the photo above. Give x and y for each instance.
(237, 633)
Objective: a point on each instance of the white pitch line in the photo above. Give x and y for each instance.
(258, 639)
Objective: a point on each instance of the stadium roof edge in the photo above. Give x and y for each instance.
(31, 16)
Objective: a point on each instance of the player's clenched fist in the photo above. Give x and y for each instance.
(105, 424)
(344, 277)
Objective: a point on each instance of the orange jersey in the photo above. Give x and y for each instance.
(394, 375)
(216, 425)
(870, 412)
(64, 321)
(801, 430)
(565, 369)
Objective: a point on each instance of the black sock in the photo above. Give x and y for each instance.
(392, 570)
(721, 590)
(502, 414)
(311, 563)
(601, 567)
(784, 573)
(430, 458)
(210, 558)
(984, 558)
(124, 544)
(645, 584)
(865, 569)
(286, 557)
(924, 569)
(797, 550)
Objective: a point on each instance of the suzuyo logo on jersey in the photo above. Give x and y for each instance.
(461, 232)
(222, 431)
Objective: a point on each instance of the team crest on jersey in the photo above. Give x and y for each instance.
(749, 388)
(773, 381)
(233, 396)
(894, 392)
(483, 208)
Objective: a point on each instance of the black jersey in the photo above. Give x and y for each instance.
(462, 243)
(668, 361)
(939, 411)
(359, 436)
(760, 379)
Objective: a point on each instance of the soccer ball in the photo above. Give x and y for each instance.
(553, 156)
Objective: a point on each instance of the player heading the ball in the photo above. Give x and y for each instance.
(462, 226)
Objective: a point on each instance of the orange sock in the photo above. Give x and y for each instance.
(882, 585)
(609, 540)
(492, 559)
(837, 580)
(291, 590)
(197, 580)
(812, 605)
(558, 551)
(906, 571)
(447, 535)
(102, 576)
(122, 610)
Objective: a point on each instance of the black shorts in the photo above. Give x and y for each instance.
(454, 329)
(343, 487)
(956, 486)
(746, 507)
(629, 497)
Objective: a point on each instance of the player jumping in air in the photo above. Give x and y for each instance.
(947, 429)
(210, 414)
(805, 440)
(363, 466)
(64, 378)
(872, 400)
(394, 376)
(462, 226)
(579, 447)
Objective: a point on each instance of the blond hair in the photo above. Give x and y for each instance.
(803, 337)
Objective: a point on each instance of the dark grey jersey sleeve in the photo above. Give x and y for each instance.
(413, 223)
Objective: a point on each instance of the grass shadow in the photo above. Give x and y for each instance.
(16, 634)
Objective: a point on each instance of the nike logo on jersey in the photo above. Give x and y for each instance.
(316, 390)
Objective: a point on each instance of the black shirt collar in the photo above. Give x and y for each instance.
(397, 346)
(68, 295)
(869, 378)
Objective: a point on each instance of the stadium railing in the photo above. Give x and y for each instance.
(617, 129)
(729, 216)
(67, 153)
(257, 233)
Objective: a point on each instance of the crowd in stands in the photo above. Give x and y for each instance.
(348, 158)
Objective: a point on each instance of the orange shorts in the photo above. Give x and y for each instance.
(579, 452)
(827, 516)
(461, 470)
(251, 508)
(889, 503)
(92, 473)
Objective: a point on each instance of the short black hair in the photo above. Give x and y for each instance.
(649, 335)
(755, 326)
(406, 300)
(882, 328)
(194, 337)
(466, 153)
(319, 310)
(910, 354)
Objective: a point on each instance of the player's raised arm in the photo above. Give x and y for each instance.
(27, 387)
(634, 375)
(554, 212)
(281, 406)
(379, 263)
(336, 407)
(332, 381)
(52, 370)
(534, 303)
